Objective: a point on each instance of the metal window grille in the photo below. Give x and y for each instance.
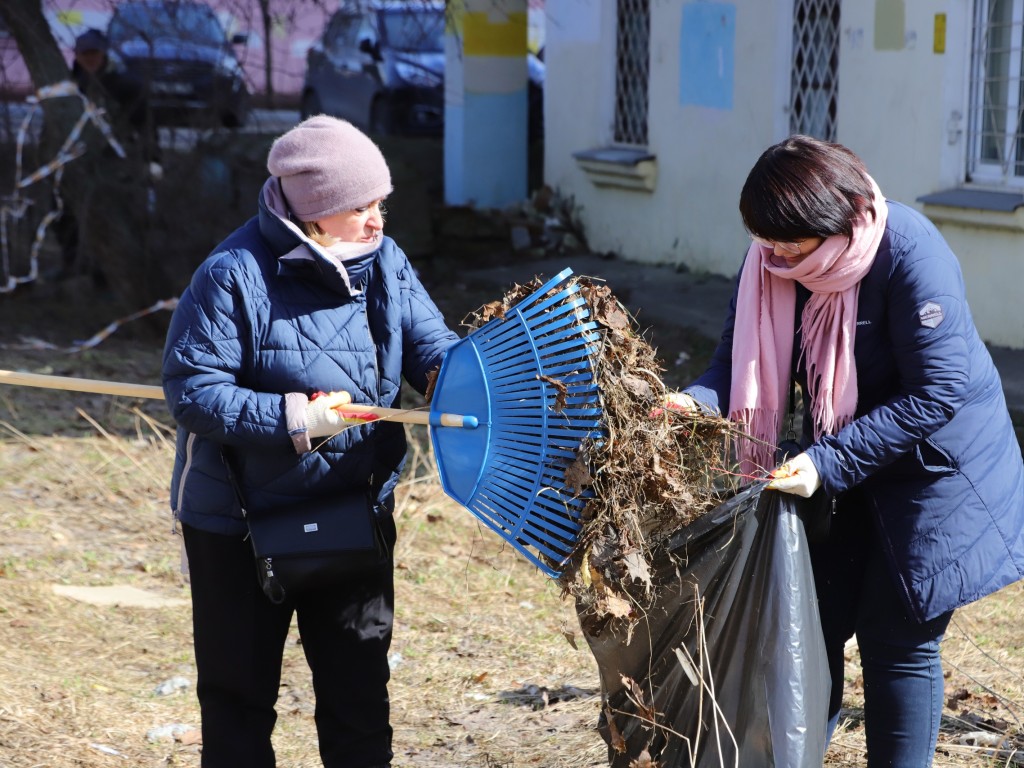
(995, 134)
(815, 81)
(632, 70)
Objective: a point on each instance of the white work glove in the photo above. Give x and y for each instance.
(321, 418)
(798, 475)
(676, 401)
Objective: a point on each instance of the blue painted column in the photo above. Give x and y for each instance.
(485, 113)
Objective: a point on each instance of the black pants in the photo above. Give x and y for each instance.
(239, 642)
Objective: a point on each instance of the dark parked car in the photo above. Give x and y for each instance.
(180, 51)
(380, 65)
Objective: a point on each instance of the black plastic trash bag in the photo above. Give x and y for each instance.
(727, 668)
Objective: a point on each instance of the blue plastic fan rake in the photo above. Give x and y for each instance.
(528, 378)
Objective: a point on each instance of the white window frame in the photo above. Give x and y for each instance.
(626, 129)
(816, 83)
(995, 133)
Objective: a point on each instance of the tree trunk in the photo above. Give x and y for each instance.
(268, 50)
(46, 66)
(105, 196)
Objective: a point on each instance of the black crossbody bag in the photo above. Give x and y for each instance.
(313, 543)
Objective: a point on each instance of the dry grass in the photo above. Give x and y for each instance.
(485, 671)
(983, 660)
(484, 674)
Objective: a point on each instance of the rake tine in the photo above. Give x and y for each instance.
(510, 343)
(552, 546)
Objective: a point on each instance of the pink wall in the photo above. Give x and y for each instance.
(297, 24)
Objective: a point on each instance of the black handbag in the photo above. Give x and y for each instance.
(313, 543)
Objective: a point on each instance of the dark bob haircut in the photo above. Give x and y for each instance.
(804, 187)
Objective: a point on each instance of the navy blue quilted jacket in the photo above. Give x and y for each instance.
(252, 327)
(932, 445)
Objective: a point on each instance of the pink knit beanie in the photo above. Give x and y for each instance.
(327, 166)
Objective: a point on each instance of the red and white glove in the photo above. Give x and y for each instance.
(676, 401)
(321, 418)
(798, 475)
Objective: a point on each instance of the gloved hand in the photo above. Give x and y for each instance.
(676, 401)
(798, 475)
(321, 418)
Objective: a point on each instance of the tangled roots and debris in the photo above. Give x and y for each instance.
(652, 471)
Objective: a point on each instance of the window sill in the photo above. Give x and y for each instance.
(625, 168)
(981, 208)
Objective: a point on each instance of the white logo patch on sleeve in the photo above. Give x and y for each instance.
(930, 315)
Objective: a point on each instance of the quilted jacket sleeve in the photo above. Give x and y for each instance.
(929, 326)
(426, 336)
(203, 356)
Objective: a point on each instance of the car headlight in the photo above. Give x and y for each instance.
(419, 76)
(229, 67)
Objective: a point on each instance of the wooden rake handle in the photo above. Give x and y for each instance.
(366, 413)
(69, 383)
(350, 412)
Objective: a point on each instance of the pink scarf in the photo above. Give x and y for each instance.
(762, 346)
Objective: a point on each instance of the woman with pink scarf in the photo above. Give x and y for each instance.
(856, 304)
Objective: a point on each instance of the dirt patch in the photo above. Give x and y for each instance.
(84, 683)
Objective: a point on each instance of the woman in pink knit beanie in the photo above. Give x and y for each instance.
(328, 169)
(307, 297)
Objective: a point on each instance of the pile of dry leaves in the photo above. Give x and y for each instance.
(652, 472)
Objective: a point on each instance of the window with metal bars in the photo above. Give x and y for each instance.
(814, 88)
(632, 70)
(995, 134)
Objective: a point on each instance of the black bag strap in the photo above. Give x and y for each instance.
(229, 465)
(268, 581)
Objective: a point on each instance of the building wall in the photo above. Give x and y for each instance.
(902, 102)
(702, 151)
(989, 247)
(902, 108)
(896, 104)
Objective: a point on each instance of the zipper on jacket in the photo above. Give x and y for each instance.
(189, 442)
(373, 343)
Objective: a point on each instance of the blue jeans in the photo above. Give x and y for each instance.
(903, 683)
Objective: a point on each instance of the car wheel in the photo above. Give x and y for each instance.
(310, 105)
(382, 120)
(237, 113)
(232, 120)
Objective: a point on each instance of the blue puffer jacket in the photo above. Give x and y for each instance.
(932, 445)
(251, 328)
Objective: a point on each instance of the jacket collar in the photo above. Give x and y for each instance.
(281, 234)
(296, 254)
